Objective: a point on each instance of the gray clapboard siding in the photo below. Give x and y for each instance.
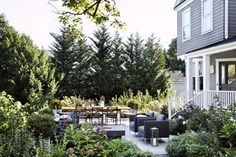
(232, 18)
(198, 40)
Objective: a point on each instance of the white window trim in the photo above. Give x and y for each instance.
(186, 10)
(211, 29)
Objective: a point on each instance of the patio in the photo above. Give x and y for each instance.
(130, 136)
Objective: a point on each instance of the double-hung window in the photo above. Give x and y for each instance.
(207, 16)
(186, 25)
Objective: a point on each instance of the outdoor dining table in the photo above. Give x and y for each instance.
(103, 110)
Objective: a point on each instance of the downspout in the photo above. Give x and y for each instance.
(226, 19)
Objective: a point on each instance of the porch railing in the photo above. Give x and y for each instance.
(176, 103)
(212, 98)
(203, 99)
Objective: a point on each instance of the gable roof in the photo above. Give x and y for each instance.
(178, 2)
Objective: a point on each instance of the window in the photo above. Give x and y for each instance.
(207, 16)
(186, 27)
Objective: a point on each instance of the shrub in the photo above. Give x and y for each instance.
(177, 126)
(132, 103)
(228, 135)
(198, 121)
(46, 111)
(56, 104)
(122, 148)
(182, 144)
(41, 125)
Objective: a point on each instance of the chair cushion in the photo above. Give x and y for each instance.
(140, 115)
(150, 114)
(131, 124)
(160, 117)
(141, 129)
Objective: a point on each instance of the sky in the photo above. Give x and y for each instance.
(36, 18)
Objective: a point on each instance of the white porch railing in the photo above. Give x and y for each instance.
(213, 98)
(203, 99)
(176, 103)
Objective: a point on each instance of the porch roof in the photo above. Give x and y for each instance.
(226, 41)
(224, 45)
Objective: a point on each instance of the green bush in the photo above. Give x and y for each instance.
(186, 145)
(198, 121)
(132, 103)
(122, 148)
(177, 126)
(228, 135)
(41, 125)
(56, 104)
(46, 111)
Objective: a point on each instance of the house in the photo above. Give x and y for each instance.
(178, 82)
(206, 40)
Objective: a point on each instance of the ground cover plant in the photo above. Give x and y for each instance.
(210, 133)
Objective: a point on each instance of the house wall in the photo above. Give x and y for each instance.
(228, 54)
(179, 87)
(232, 18)
(198, 40)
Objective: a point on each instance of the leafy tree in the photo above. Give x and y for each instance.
(97, 11)
(173, 63)
(25, 71)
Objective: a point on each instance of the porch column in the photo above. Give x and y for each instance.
(206, 78)
(197, 84)
(189, 75)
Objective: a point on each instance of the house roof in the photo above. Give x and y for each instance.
(226, 41)
(178, 2)
(177, 76)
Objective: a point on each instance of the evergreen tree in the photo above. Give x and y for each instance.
(101, 64)
(155, 76)
(118, 73)
(25, 71)
(82, 68)
(173, 63)
(64, 58)
(133, 50)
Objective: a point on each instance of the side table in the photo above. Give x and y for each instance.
(154, 136)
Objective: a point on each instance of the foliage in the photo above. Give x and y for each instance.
(142, 102)
(188, 145)
(173, 63)
(56, 104)
(15, 140)
(132, 103)
(88, 142)
(198, 121)
(47, 111)
(97, 11)
(25, 71)
(124, 148)
(215, 130)
(164, 110)
(106, 66)
(177, 126)
(41, 125)
(228, 135)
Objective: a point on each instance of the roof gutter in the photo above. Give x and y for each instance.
(210, 51)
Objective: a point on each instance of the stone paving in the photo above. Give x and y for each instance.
(145, 146)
